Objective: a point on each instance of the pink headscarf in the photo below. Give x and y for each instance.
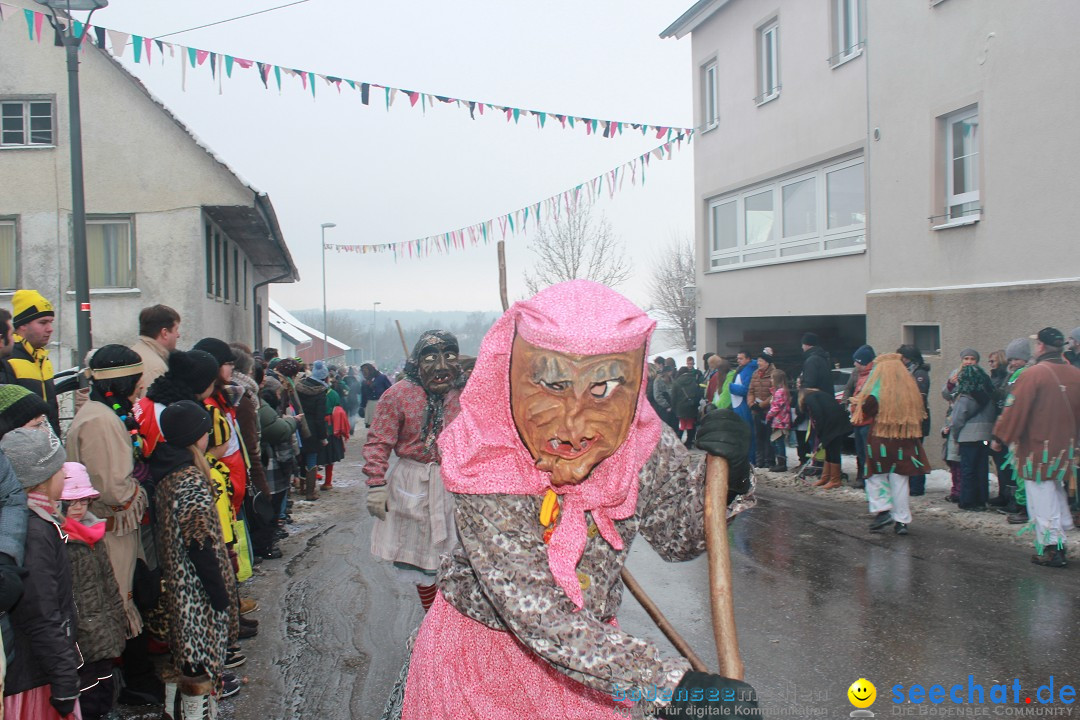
(482, 452)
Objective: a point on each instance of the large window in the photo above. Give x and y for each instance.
(26, 122)
(847, 38)
(815, 213)
(110, 253)
(226, 266)
(962, 165)
(925, 336)
(709, 97)
(9, 279)
(768, 62)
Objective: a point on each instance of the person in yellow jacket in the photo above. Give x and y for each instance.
(33, 318)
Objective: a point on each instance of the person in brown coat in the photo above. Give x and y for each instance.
(1041, 426)
(759, 398)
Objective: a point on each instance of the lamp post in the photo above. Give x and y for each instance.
(324, 226)
(374, 332)
(59, 11)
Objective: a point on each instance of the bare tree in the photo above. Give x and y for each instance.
(673, 270)
(577, 246)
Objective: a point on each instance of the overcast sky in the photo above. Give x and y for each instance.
(398, 175)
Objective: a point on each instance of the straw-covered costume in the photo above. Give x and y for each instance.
(891, 401)
(553, 475)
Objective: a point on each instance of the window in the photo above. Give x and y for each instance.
(9, 279)
(209, 259)
(223, 266)
(847, 38)
(110, 253)
(818, 212)
(962, 165)
(768, 62)
(926, 337)
(26, 122)
(711, 105)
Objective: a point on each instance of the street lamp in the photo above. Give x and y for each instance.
(374, 332)
(59, 11)
(324, 226)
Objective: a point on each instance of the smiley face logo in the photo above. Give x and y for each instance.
(862, 693)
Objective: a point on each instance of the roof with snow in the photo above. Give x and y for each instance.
(290, 325)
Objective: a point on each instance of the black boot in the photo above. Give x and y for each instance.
(780, 466)
(860, 476)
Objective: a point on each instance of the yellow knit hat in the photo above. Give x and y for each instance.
(29, 305)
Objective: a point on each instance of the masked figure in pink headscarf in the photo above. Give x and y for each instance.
(556, 461)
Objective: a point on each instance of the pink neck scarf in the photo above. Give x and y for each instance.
(482, 452)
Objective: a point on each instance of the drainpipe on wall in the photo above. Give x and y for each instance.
(255, 304)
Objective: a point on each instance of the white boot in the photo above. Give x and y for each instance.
(197, 699)
(169, 712)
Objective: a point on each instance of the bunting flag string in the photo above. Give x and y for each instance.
(517, 221)
(117, 43)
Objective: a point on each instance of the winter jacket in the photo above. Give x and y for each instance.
(815, 371)
(740, 387)
(313, 402)
(761, 389)
(830, 420)
(12, 542)
(922, 379)
(373, 389)
(685, 396)
(45, 619)
(719, 390)
(102, 622)
(779, 415)
(34, 371)
(662, 394)
(275, 429)
(7, 373)
(352, 402)
(972, 418)
(247, 418)
(851, 389)
(155, 360)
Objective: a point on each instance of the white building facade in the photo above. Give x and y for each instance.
(167, 221)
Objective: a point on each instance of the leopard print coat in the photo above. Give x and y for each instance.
(186, 513)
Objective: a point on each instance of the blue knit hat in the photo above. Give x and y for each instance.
(864, 355)
(319, 370)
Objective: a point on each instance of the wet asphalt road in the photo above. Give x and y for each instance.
(820, 602)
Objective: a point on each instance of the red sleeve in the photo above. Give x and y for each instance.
(382, 439)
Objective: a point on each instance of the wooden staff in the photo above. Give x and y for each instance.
(502, 276)
(401, 335)
(721, 599)
(662, 622)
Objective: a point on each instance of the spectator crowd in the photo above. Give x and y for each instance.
(126, 534)
(1021, 411)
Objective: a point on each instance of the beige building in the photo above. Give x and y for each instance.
(971, 142)
(935, 136)
(779, 173)
(167, 220)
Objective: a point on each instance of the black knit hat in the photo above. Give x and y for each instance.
(183, 423)
(810, 339)
(218, 348)
(19, 406)
(195, 368)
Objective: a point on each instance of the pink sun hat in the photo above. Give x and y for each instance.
(77, 483)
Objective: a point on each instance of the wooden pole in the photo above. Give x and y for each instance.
(404, 345)
(721, 599)
(502, 275)
(662, 622)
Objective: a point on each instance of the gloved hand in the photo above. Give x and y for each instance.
(705, 695)
(64, 707)
(11, 586)
(377, 496)
(724, 433)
